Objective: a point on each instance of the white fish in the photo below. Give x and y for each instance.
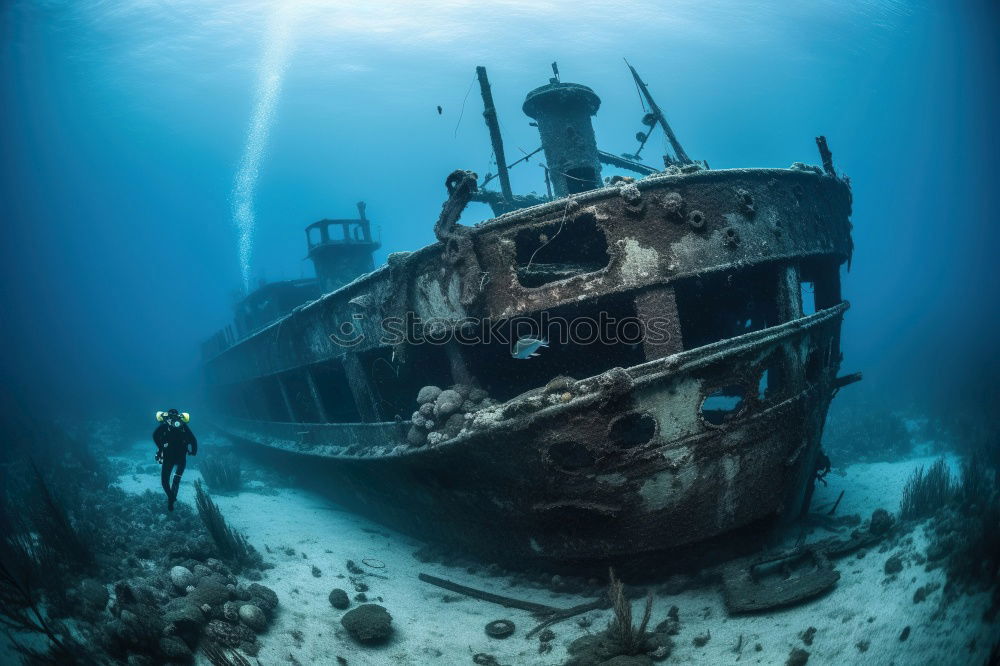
(527, 347)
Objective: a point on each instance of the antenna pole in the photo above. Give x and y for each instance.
(490, 114)
(674, 143)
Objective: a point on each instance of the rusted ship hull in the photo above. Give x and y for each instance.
(553, 485)
(626, 462)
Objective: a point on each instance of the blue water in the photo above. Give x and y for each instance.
(160, 156)
(159, 159)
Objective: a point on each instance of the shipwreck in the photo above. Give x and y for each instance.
(601, 450)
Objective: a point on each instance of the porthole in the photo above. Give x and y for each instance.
(632, 430)
(723, 404)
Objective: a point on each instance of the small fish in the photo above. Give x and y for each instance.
(440, 110)
(527, 347)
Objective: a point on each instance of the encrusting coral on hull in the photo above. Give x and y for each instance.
(443, 414)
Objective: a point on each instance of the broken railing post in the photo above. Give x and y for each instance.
(845, 380)
(825, 155)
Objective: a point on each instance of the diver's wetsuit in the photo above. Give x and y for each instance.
(172, 444)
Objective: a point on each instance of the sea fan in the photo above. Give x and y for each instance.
(232, 546)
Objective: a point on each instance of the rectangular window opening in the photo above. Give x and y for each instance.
(396, 384)
(820, 281)
(335, 392)
(808, 290)
(726, 304)
(267, 401)
(228, 400)
(771, 382)
(253, 398)
(560, 249)
(576, 346)
(300, 396)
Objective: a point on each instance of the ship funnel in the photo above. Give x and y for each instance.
(341, 250)
(562, 112)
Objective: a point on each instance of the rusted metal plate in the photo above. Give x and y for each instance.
(796, 214)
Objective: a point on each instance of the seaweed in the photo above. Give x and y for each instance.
(41, 550)
(231, 544)
(21, 608)
(222, 473)
(44, 552)
(55, 530)
(976, 559)
(976, 484)
(976, 556)
(622, 638)
(219, 656)
(967, 517)
(925, 493)
(630, 639)
(65, 536)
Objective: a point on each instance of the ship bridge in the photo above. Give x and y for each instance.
(341, 250)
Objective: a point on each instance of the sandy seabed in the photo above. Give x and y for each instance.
(858, 622)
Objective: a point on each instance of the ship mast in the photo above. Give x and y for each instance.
(682, 157)
(490, 113)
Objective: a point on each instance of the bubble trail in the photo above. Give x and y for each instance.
(271, 74)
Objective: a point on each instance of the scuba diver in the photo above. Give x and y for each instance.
(174, 441)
